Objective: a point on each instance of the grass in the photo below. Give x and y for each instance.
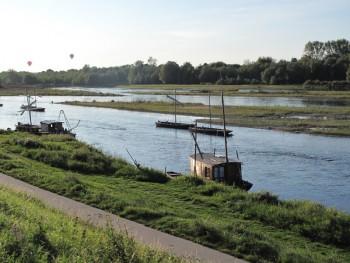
(255, 226)
(239, 90)
(32, 232)
(313, 120)
(50, 92)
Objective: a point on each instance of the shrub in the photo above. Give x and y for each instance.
(265, 197)
(189, 180)
(210, 189)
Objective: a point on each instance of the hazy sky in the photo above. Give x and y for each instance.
(106, 33)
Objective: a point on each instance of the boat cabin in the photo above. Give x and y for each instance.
(52, 127)
(215, 168)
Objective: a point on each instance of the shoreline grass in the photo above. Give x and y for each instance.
(255, 226)
(296, 91)
(51, 92)
(33, 232)
(311, 120)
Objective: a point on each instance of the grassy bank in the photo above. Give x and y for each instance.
(49, 92)
(298, 91)
(32, 232)
(311, 120)
(256, 226)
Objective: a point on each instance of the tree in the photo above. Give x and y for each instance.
(12, 77)
(314, 50)
(30, 79)
(267, 74)
(187, 74)
(169, 72)
(348, 74)
(296, 72)
(152, 61)
(340, 47)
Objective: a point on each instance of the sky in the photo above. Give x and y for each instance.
(108, 33)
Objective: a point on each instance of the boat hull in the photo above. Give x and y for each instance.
(211, 131)
(173, 125)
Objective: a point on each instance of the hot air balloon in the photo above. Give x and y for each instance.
(71, 56)
(29, 63)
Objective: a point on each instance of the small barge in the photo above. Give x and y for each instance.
(210, 131)
(174, 125)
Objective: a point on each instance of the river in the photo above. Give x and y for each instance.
(293, 166)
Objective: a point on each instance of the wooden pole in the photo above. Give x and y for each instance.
(195, 151)
(209, 109)
(223, 117)
(175, 106)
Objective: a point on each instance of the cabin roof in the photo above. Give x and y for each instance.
(211, 159)
(50, 122)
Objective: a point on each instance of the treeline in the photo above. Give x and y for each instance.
(322, 62)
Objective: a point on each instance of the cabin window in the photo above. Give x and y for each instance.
(216, 173)
(207, 171)
(222, 172)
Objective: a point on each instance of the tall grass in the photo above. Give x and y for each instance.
(31, 232)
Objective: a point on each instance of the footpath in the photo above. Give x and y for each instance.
(141, 233)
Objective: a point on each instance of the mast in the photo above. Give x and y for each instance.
(175, 106)
(223, 117)
(209, 110)
(29, 109)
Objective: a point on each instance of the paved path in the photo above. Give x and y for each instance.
(146, 235)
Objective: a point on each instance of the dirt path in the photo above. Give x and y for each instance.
(146, 235)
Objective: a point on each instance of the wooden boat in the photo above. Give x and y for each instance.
(31, 105)
(174, 125)
(217, 168)
(211, 131)
(172, 174)
(46, 126)
(32, 108)
(27, 127)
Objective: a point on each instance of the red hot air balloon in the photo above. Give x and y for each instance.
(71, 56)
(29, 63)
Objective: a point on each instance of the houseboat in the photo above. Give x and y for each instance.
(215, 168)
(54, 127)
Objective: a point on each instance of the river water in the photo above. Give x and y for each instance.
(294, 166)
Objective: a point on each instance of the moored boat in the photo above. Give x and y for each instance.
(211, 131)
(174, 125)
(32, 108)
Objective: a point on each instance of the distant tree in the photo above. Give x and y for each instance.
(12, 77)
(86, 68)
(340, 67)
(314, 50)
(136, 73)
(206, 74)
(340, 47)
(152, 61)
(296, 72)
(250, 71)
(348, 74)
(267, 74)
(187, 74)
(30, 79)
(169, 72)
